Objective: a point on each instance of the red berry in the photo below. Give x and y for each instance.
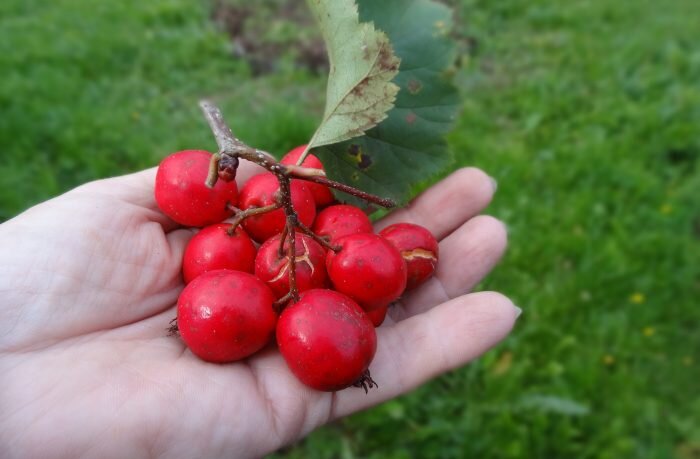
(310, 266)
(341, 220)
(225, 315)
(182, 195)
(326, 339)
(212, 248)
(418, 247)
(378, 315)
(260, 191)
(322, 195)
(368, 269)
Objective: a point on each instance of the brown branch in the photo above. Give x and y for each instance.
(283, 237)
(285, 199)
(374, 199)
(278, 305)
(251, 211)
(229, 144)
(306, 230)
(230, 149)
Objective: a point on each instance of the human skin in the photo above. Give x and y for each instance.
(88, 284)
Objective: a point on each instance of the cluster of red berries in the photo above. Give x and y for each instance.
(238, 277)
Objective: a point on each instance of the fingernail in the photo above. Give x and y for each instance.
(518, 311)
(494, 184)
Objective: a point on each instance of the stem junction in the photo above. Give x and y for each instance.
(231, 149)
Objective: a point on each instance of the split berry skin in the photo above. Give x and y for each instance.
(418, 247)
(225, 315)
(273, 268)
(326, 339)
(182, 195)
(341, 220)
(322, 194)
(213, 248)
(260, 191)
(368, 269)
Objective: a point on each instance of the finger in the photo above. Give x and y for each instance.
(446, 205)
(425, 346)
(466, 257)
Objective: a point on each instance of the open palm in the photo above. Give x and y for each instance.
(88, 284)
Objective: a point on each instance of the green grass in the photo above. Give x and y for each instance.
(588, 114)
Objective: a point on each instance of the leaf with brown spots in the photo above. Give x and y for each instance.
(362, 65)
(407, 149)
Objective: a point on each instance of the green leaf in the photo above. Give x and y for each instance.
(362, 65)
(408, 148)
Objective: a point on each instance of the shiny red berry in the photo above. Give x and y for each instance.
(322, 195)
(368, 269)
(341, 220)
(273, 267)
(418, 247)
(377, 316)
(213, 248)
(326, 339)
(182, 195)
(260, 191)
(224, 315)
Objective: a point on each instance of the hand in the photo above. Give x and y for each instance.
(88, 284)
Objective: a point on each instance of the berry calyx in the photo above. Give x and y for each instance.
(368, 269)
(261, 191)
(225, 315)
(272, 267)
(228, 165)
(322, 194)
(418, 247)
(213, 248)
(341, 220)
(182, 195)
(327, 340)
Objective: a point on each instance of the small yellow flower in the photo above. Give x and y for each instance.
(666, 209)
(637, 298)
(687, 360)
(503, 363)
(608, 359)
(648, 331)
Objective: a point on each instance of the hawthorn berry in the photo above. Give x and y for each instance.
(273, 267)
(377, 316)
(260, 191)
(182, 195)
(213, 248)
(368, 269)
(341, 220)
(418, 247)
(225, 315)
(322, 194)
(326, 339)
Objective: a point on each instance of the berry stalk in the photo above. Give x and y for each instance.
(231, 149)
(230, 145)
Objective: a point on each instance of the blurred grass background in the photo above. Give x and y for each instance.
(587, 112)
